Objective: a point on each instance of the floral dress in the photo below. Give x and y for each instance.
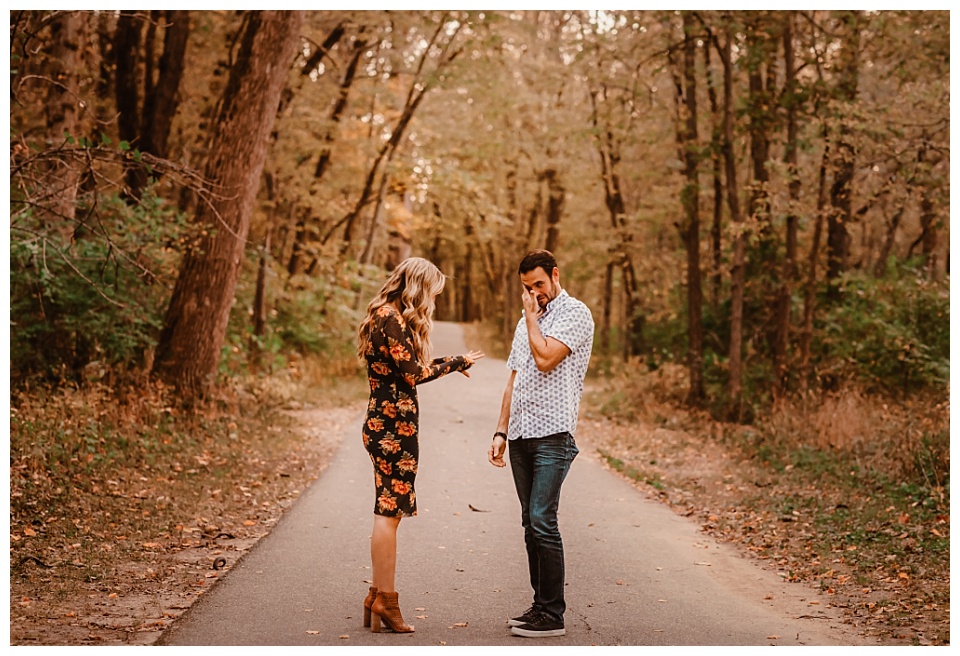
(390, 430)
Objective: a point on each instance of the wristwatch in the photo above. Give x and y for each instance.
(500, 434)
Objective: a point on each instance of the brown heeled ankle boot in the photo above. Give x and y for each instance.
(385, 607)
(367, 603)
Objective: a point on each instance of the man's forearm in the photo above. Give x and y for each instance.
(504, 422)
(547, 353)
(538, 343)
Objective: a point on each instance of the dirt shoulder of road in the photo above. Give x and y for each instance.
(123, 556)
(901, 598)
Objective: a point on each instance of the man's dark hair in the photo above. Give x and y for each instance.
(538, 258)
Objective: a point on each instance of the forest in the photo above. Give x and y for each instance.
(754, 205)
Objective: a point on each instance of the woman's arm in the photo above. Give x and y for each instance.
(399, 345)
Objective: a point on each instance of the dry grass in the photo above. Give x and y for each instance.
(903, 440)
(845, 492)
(121, 501)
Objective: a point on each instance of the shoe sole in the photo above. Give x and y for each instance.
(526, 633)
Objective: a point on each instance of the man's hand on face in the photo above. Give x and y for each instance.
(530, 305)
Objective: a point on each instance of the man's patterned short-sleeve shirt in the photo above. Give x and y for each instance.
(547, 403)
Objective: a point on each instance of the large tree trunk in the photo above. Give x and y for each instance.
(195, 325)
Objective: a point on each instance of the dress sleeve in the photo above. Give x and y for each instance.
(399, 346)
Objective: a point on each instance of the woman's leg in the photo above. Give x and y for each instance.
(383, 552)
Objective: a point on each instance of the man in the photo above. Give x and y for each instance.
(548, 360)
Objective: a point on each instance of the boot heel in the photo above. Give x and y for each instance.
(367, 603)
(374, 623)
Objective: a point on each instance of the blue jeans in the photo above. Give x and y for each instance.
(539, 466)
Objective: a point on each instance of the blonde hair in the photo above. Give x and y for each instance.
(413, 285)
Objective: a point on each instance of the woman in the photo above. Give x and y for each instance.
(394, 339)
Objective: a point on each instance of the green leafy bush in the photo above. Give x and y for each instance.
(90, 294)
(891, 333)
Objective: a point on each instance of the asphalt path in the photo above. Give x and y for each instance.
(637, 573)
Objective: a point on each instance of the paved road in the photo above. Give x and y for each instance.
(637, 573)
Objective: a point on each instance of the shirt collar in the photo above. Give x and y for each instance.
(560, 298)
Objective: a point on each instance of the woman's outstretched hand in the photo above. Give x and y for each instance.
(471, 359)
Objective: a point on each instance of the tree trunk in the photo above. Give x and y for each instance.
(783, 304)
(188, 352)
(260, 303)
(738, 273)
(323, 160)
(759, 111)
(928, 220)
(161, 103)
(716, 227)
(555, 200)
(606, 308)
(841, 192)
(880, 268)
(690, 197)
(126, 48)
(63, 108)
(810, 293)
(607, 149)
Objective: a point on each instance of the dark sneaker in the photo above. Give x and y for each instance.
(541, 627)
(528, 616)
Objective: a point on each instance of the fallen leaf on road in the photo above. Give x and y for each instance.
(703, 563)
(419, 609)
(345, 637)
(249, 523)
(459, 625)
(471, 507)
(421, 617)
(773, 637)
(620, 582)
(313, 632)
